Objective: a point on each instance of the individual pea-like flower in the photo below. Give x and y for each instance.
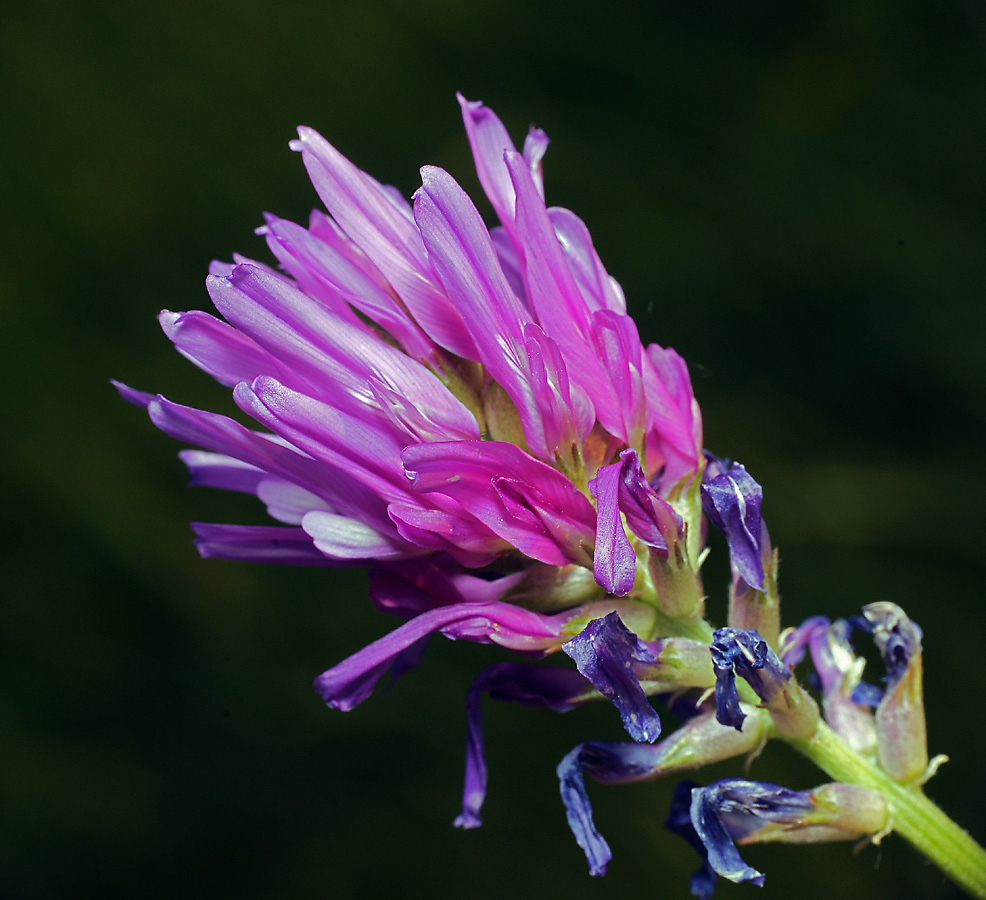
(445, 403)
(734, 811)
(747, 655)
(839, 673)
(702, 740)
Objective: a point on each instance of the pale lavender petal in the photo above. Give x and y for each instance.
(598, 288)
(462, 252)
(343, 537)
(338, 360)
(325, 272)
(566, 414)
(535, 146)
(311, 263)
(288, 502)
(372, 455)
(222, 435)
(265, 544)
(327, 230)
(216, 470)
(132, 395)
(617, 346)
(560, 307)
(385, 234)
(489, 140)
(510, 263)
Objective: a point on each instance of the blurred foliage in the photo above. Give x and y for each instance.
(791, 195)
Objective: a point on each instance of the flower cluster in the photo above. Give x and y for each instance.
(470, 412)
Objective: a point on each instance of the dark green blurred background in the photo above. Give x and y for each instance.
(792, 195)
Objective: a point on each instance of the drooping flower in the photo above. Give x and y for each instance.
(736, 811)
(700, 741)
(747, 655)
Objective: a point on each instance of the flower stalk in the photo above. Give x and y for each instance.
(912, 815)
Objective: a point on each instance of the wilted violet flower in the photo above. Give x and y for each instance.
(735, 811)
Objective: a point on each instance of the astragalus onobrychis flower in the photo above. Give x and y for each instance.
(470, 413)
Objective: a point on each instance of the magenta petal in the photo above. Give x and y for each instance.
(368, 214)
(489, 140)
(411, 586)
(350, 682)
(524, 501)
(676, 420)
(649, 517)
(226, 354)
(453, 530)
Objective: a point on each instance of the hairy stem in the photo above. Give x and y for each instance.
(912, 814)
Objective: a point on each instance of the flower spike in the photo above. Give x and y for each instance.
(469, 412)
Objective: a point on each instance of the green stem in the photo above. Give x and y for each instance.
(912, 814)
